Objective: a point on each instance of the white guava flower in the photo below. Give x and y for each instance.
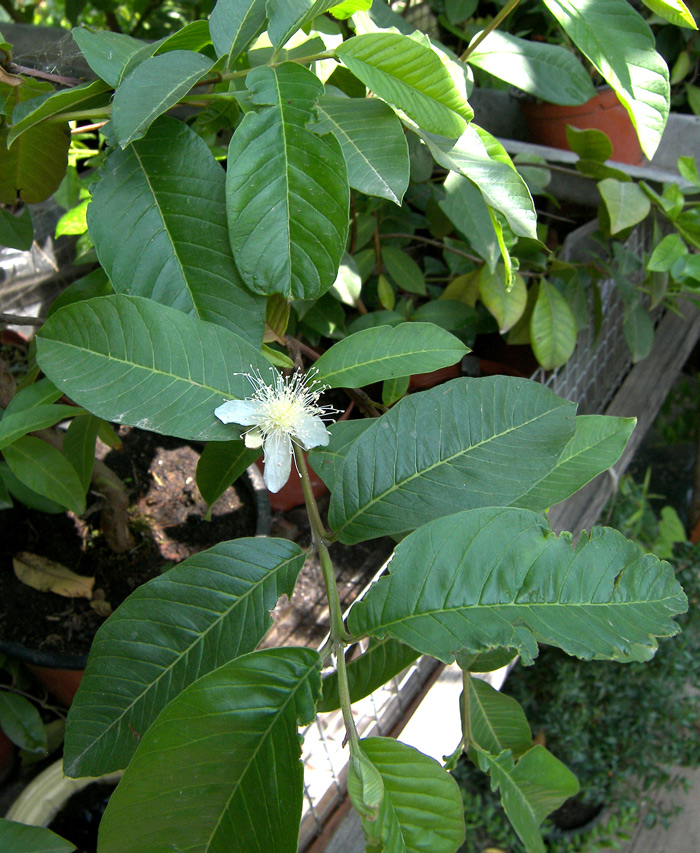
(286, 411)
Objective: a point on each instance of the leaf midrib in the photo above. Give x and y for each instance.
(396, 486)
(199, 639)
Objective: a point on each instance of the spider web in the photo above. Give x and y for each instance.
(49, 50)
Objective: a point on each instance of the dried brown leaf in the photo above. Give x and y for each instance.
(47, 576)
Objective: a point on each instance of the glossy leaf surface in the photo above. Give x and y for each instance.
(495, 577)
(215, 791)
(410, 76)
(497, 722)
(20, 838)
(133, 361)
(385, 353)
(468, 443)
(209, 609)
(233, 23)
(373, 143)
(421, 806)
(158, 221)
(46, 471)
(287, 194)
(552, 327)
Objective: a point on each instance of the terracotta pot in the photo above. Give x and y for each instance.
(547, 124)
(423, 381)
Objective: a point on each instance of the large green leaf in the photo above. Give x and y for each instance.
(34, 165)
(22, 723)
(410, 76)
(16, 232)
(627, 204)
(288, 16)
(133, 361)
(621, 46)
(46, 107)
(480, 157)
(421, 807)
(287, 193)
(465, 207)
(105, 52)
(506, 304)
(674, 11)
(233, 23)
(530, 789)
(152, 88)
(40, 393)
(219, 770)
(552, 327)
(15, 425)
(468, 443)
(221, 463)
(385, 353)
(327, 461)
(44, 470)
(79, 446)
(158, 222)
(383, 660)
(373, 143)
(209, 609)
(547, 71)
(595, 446)
(19, 838)
(496, 721)
(499, 578)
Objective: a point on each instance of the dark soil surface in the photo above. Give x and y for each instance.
(167, 522)
(79, 820)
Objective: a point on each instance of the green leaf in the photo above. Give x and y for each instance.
(20, 177)
(404, 271)
(233, 24)
(93, 284)
(464, 444)
(105, 52)
(547, 71)
(466, 208)
(16, 232)
(22, 723)
(394, 389)
(499, 578)
(480, 157)
(131, 360)
(158, 221)
(421, 808)
(235, 783)
(221, 464)
(552, 327)
(589, 144)
(25, 495)
(15, 425)
(595, 446)
(73, 221)
(386, 353)
(288, 16)
(45, 470)
(496, 721)
(347, 8)
(373, 142)
(19, 838)
(530, 790)
(674, 11)
(666, 253)
(46, 107)
(383, 660)
(621, 47)
(385, 293)
(327, 461)
(152, 88)
(638, 329)
(287, 195)
(626, 203)
(505, 304)
(411, 77)
(171, 631)
(39, 393)
(79, 446)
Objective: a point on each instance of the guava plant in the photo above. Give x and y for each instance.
(204, 263)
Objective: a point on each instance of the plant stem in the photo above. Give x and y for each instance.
(344, 694)
(466, 720)
(59, 712)
(500, 17)
(320, 536)
(431, 242)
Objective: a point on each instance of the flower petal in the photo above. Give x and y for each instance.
(310, 431)
(278, 460)
(243, 412)
(253, 438)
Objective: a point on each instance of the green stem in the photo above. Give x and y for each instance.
(97, 112)
(344, 694)
(319, 535)
(466, 719)
(500, 17)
